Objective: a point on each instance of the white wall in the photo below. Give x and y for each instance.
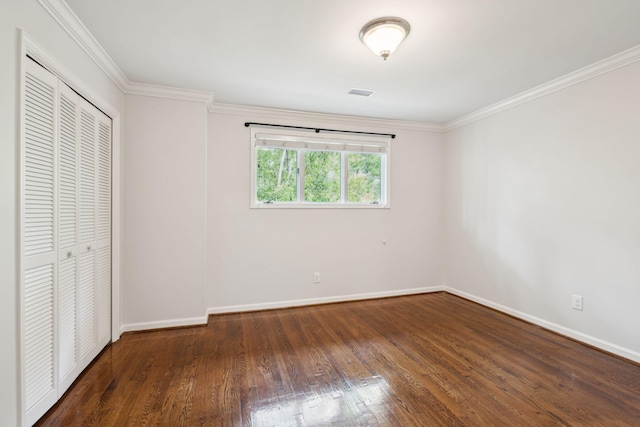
(543, 201)
(266, 257)
(191, 242)
(31, 17)
(164, 205)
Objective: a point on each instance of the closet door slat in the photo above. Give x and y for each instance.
(86, 304)
(38, 333)
(68, 169)
(39, 165)
(87, 176)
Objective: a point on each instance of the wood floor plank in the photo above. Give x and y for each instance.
(432, 359)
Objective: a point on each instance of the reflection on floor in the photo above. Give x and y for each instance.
(325, 407)
(432, 359)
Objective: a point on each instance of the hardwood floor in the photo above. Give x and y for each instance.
(432, 359)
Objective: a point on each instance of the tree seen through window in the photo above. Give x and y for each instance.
(279, 170)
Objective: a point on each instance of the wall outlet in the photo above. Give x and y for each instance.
(316, 277)
(576, 302)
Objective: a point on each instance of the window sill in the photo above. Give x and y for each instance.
(257, 205)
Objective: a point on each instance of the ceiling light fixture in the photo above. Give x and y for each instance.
(384, 35)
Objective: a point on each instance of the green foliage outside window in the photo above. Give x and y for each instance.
(321, 176)
(277, 175)
(364, 178)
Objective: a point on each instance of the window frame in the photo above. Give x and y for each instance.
(296, 138)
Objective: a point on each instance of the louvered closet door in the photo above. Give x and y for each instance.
(87, 252)
(68, 366)
(65, 238)
(38, 240)
(94, 286)
(103, 230)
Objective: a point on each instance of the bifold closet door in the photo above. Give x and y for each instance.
(68, 212)
(103, 230)
(66, 238)
(39, 264)
(94, 251)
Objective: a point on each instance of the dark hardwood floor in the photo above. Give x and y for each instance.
(422, 360)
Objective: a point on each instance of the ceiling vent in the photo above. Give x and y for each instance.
(361, 92)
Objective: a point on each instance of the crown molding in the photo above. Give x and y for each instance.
(281, 114)
(606, 65)
(70, 22)
(169, 92)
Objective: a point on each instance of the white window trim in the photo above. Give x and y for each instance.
(294, 139)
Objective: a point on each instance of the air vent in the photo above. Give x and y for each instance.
(361, 92)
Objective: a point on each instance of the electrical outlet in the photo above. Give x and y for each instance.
(316, 277)
(576, 302)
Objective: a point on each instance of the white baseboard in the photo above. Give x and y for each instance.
(578, 336)
(195, 321)
(162, 324)
(323, 300)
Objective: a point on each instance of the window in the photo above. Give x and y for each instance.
(296, 169)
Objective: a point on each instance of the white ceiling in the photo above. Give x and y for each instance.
(460, 56)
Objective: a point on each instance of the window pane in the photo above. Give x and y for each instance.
(364, 177)
(277, 175)
(321, 176)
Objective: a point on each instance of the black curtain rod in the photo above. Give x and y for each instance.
(318, 130)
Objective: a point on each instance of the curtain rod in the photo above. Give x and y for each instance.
(318, 130)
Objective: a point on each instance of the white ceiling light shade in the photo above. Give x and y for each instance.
(384, 35)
